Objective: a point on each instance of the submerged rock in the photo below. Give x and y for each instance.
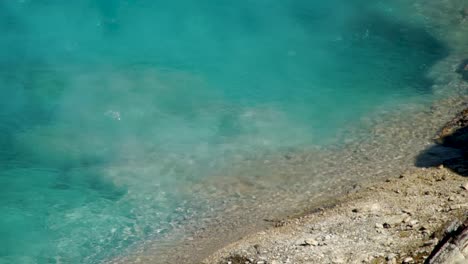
(463, 69)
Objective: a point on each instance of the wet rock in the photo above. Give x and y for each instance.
(463, 67)
(455, 133)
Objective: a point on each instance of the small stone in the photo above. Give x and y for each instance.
(311, 242)
(441, 166)
(424, 228)
(338, 261)
(378, 255)
(386, 225)
(430, 242)
(408, 260)
(391, 256)
(406, 219)
(464, 186)
(378, 225)
(451, 199)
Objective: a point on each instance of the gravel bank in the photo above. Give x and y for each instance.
(398, 221)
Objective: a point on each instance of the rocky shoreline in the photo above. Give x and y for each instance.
(407, 219)
(383, 199)
(399, 221)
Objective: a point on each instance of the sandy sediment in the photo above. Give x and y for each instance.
(399, 220)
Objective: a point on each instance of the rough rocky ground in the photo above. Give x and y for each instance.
(399, 221)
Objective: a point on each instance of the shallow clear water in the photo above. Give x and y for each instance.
(110, 110)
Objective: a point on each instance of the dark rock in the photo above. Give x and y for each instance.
(455, 133)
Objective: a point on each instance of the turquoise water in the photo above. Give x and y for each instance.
(110, 110)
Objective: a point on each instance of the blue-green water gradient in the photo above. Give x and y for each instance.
(111, 109)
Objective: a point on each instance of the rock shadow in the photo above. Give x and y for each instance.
(451, 149)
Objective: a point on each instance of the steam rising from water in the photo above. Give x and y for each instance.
(110, 110)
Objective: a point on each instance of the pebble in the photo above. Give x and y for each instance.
(406, 219)
(408, 260)
(464, 186)
(391, 256)
(378, 225)
(430, 242)
(338, 261)
(424, 228)
(311, 242)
